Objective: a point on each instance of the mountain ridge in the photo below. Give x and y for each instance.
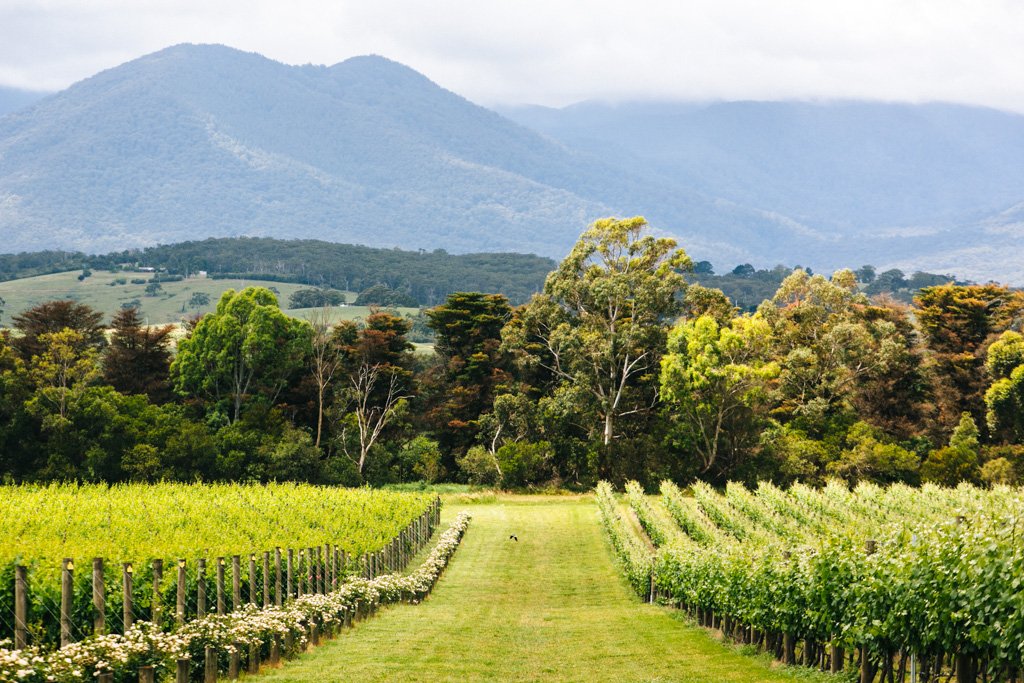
(198, 141)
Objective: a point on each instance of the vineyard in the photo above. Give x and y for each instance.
(898, 583)
(78, 561)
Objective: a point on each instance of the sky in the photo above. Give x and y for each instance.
(556, 52)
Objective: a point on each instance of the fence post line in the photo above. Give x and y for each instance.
(99, 598)
(128, 612)
(277, 577)
(179, 612)
(146, 674)
(67, 596)
(201, 588)
(220, 586)
(20, 607)
(158, 574)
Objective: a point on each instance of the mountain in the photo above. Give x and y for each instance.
(13, 99)
(896, 184)
(201, 141)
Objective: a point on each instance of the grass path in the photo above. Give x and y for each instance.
(551, 607)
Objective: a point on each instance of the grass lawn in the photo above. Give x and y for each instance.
(549, 607)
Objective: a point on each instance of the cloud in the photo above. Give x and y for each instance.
(560, 51)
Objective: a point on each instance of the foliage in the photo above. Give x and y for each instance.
(138, 358)
(316, 298)
(247, 348)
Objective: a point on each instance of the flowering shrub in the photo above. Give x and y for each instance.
(247, 627)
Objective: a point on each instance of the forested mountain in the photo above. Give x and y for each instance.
(13, 99)
(199, 141)
(933, 186)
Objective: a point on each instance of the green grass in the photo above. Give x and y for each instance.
(550, 607)
(169, 306)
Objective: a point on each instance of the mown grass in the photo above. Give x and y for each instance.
(549, 607)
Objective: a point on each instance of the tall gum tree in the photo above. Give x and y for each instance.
(601, 322)
(247, 347)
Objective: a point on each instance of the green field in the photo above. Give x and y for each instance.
(550, 607)
(171, 305)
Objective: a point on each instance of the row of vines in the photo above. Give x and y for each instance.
(901, 583)
(172, 553)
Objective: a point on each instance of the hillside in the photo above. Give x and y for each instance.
(13, 99)
(934, 187)
(199, 141)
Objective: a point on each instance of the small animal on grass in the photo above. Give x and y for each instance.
(513, 538)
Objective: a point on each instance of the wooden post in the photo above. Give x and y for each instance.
(965, 663)
(275, 649)
(252, 578)
(220, 586)
(179, 613)
(67, 596)
(20, 607)
(128, 612)
(105, 678)
(236, 581)
(254, 658)
(210, 665)
(266, 579)
(235, 661)
(201, 588)
(158, 574)
(181, 674)
(147, 674)
(325, 561)
(836, 656)
(310, 577)
(299, 576)
(99, 598)
(277, 577)
(291, 554)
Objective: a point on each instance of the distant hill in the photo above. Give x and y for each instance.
(14, 99)
(933, 186)
(425, 276)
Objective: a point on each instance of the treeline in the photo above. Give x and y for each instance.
(747, 286)
(425, 277)
(619, 369)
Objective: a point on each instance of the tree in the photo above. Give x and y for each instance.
(1004, 400)
(315, 298)
(601, 322)
(377, 380)
(247, 347)
(716, 380)
(199, 300)
(958, 461)
(138, 358)
(472, 367)
(54, 316)
(958, 322)
(324, 361)
(871, 457)
(64, 363)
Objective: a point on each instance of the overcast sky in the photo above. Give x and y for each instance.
(556, 52)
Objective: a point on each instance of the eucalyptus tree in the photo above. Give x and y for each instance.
(599, 327)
